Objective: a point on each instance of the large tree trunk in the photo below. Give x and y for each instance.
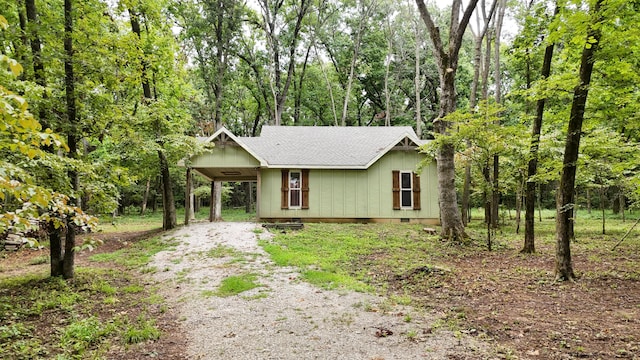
(532, 168)
(447, 61)
(72, 137)
(564, 223)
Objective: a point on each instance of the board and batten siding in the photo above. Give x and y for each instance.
(229, 156)
(361, 194)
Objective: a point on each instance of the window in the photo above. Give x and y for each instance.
(406, 190)
(295, 189)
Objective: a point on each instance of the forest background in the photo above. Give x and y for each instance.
(101, 99)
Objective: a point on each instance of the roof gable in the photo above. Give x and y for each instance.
(223, 137)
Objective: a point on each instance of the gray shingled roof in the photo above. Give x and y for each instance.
(326, 147)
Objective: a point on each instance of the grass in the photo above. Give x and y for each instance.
(151, 221)
(341, 255)
(100, 309)
(137, 255)
(234, 285)
(363, 257)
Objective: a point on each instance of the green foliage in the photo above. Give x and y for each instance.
(82, 334)
(142, 330)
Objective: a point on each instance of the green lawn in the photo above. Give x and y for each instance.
(149, 221)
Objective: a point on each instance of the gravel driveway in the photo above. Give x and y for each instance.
(286, 318)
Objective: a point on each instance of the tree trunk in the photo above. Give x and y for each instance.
(298, 85)
(72, 138)
(447, 61)
(588, 201)
(187, 198)
(352, 69)
(417, 81)
(329, 87)
(466, 194)
(248, 196)
(145, 197)
(564, 224)
(477, 64)
(539, 203)
(55, 250)
(38, 64)
(518, 208)
(495, 191)
(603, 198)
(485, 193)
(168, 203)
(622, 205)
(192, 199)
(154, 194)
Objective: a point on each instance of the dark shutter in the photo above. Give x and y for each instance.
(305, 188)
(284, 201)
(396, 189)
(416, 192)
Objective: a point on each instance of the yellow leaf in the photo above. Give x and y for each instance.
(4, 24)
(15, 67)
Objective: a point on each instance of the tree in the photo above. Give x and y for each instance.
(479, 36)
(26, 204)
(271, 26)
(72, 137)
(532, 168)
(566, 202)
(447, 61)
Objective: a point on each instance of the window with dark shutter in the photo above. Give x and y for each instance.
(305, 189)
(295, 189)
(284, 201)
(416, 192)
(396, 189)
(406, 190)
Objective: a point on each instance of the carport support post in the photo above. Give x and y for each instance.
(187, 198)
(212, 201)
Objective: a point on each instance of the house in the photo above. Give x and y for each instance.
(328, 174)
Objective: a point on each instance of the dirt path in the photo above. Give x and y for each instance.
(286, 318)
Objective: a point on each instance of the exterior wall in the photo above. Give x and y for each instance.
(229, 156)
(354, 194)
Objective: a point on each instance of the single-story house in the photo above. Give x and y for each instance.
(328, 174)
